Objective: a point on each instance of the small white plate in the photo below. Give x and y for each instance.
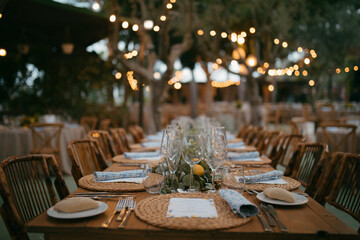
(87, 213)
(299, 200)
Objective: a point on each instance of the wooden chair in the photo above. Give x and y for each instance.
(286, 149)
(105, 124)
(137, 133)
(120, 140)
(243, 131)
(46, 139)
(105, 142)
(304, 160)
(268, 142)
(346, 134)
(86, 158)
(27, 190)
(344, 194)
(254, 135)
(272, 114)
(88, 122)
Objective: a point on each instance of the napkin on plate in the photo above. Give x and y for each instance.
(151, 144)
(268, 176)
(236, 145)
(76, 204)
(234, 156)
(142, 155)
(106, 176)
(238, 204)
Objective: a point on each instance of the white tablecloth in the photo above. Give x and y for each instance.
(17, 141)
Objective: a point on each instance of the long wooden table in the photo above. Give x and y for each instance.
(309, 221)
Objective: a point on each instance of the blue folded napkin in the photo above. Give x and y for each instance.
(268, 176)
(151, 144)
(238, 204)
(155, 137)
(142, 155)
(105, 176)
(234, 156)
(236, 145)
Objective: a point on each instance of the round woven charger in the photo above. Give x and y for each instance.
(153, 211)
(263, 161)
(292, 184)
(122, 159)
(138, 148)
(88, 182)
(246, 149)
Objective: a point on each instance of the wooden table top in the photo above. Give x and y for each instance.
(309, 221)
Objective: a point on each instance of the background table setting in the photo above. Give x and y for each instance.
(179, 198)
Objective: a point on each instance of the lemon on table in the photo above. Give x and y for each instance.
(199, 170)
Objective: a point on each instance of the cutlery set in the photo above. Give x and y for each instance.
(272, 218)
(124, 207)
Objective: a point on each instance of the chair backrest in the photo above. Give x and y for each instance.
(105, 124)
(86, 158)
(304, 160)
(288, 148)
(120, 140)
(46, 139)
(89, 122)
(272, 113)
(27, 189)
(338, 135)
(105, 142)
(268, 141)
(254, 135)
(242, 132)
(344, 194)
(137, 133)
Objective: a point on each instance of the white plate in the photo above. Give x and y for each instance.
(87, 213)
(299, 200)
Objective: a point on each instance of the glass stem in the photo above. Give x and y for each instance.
(212, 178)
(172, 178)
(191, 177)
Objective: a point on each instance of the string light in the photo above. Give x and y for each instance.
(304, 73)
(125, 24)
(338, 70)
(173, 1)
(200, 32)
(157, 75)
(177, 86)
(118, 75)
(311, 83)
(299, 49)
(225, 84)
(271, 88)
(276, 41)
(0, 15)
(135, 27)
(306, 61)
(285, 44)
(2, 52)
(243, 34)
(169, 6)
(266, 65)
(356, 68)
(252, 30)
(163, 18)
(233, 37)
(224, 35)
(132, 81)
(212, 33)
(219, 61)
(346, 69)
(156, 28)
(112, 18)
(241, 40)
(96, 6)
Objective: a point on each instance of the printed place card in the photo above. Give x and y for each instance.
(192, 207)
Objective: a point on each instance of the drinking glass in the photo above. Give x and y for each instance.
(173, 151)
(235, 179)
(192, 154)
(153, 182)
(214, 148)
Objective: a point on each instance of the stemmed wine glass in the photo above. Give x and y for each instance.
(171, 149)
(214, 148)
(192, 154)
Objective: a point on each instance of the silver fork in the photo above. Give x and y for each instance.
(130, 208)
(118, 208)
(123, 208)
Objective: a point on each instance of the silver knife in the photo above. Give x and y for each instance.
(271, 221)
(274, 214)
(264, 223)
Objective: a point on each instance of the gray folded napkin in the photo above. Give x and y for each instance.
(234, 156)
(142, 155)
(105, 176)
(151, 144)
(238, 204)
(236, 145)
(155, 137)
(268, 176)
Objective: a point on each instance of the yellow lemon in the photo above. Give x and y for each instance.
(199, 170)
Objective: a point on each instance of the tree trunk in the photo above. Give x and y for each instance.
(254, 99)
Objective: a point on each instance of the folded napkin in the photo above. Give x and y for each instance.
(234, 156)
(236, 145)
(155, 137)
(151, 144)
(268, 176)
(238, 204)
(76, 204)
(105, 176)
(142, 155)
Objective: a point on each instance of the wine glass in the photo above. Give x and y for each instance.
(173, 149)
(192, 154)
(214, 148)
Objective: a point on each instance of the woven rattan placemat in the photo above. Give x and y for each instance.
(153, 211)
(292, 184)
(122, 159)
(138, 148)
(246, 149)
(88, 182)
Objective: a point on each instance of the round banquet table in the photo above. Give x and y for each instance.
(18, 141)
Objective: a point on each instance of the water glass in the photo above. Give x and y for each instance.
(153, 182)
